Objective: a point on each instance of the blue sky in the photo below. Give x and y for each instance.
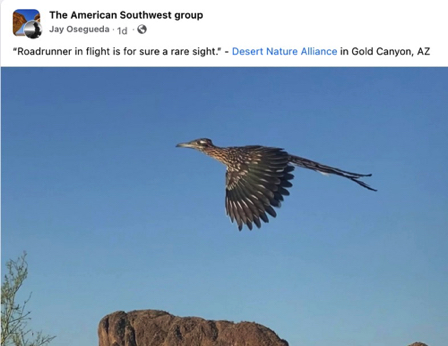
(114, 217)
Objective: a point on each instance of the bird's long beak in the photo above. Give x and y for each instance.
(185, 145)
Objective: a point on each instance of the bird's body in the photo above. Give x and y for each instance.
(258, 177)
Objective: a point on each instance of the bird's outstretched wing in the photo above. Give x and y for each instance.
(259, 183)
(318, 167)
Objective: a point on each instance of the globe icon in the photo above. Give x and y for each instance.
(141, 29)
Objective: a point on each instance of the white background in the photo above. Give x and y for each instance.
(319, 24)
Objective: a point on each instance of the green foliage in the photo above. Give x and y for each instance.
(14, 316)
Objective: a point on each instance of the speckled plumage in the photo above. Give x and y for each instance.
(258, 177)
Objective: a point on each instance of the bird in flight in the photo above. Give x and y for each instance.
(258, 177)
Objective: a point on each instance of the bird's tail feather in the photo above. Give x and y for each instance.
(315, 166)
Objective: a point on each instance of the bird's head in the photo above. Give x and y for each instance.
(201, 144)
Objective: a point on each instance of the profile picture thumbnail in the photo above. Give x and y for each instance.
(26, 23)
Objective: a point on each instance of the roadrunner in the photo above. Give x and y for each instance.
(258, 177)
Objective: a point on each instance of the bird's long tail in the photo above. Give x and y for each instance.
(315, 166)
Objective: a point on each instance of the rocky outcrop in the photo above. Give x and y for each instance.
(18, 20)
(159, 328)
(418, 344)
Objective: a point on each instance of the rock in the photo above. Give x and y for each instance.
(18, 20)
(159, 328)
(418, 344)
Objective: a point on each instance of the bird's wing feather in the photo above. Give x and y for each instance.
(257, 185)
